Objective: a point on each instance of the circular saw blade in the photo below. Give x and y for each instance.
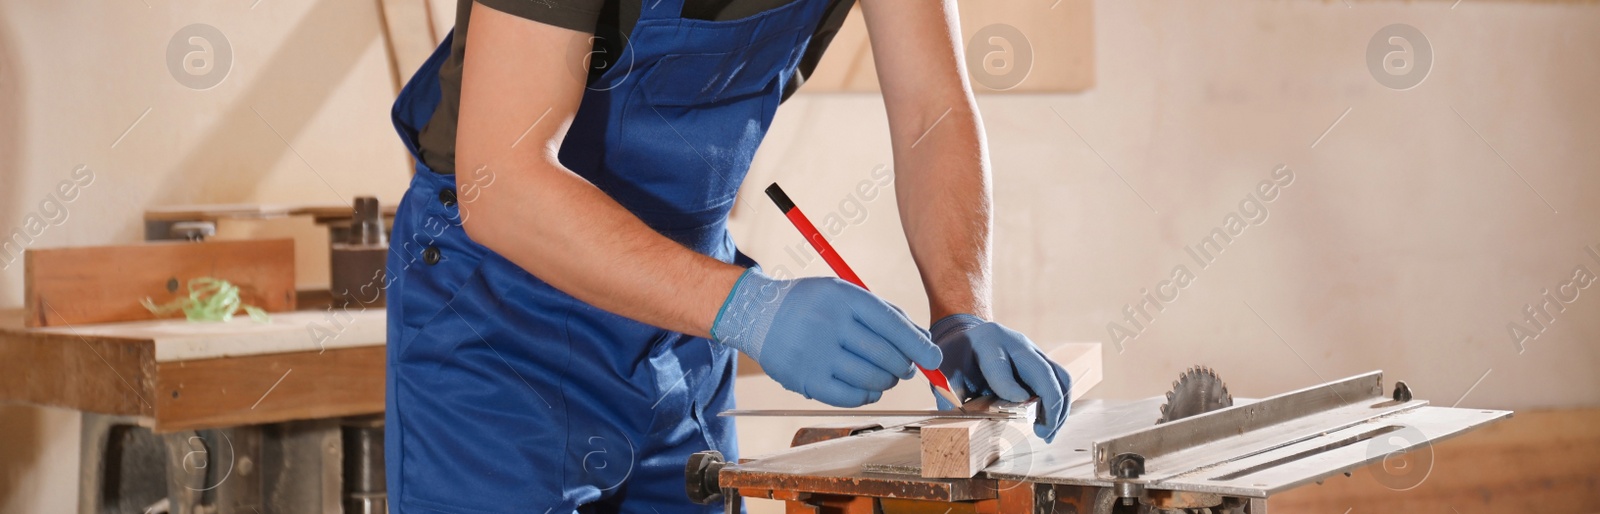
(1198, 390)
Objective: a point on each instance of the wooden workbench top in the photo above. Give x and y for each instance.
(180, 340)
(181, 375)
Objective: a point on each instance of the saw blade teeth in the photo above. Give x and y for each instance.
(1197, 390)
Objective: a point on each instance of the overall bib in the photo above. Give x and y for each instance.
(507, 395)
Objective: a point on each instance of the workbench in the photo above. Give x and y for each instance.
(221, 409)
(300, 365)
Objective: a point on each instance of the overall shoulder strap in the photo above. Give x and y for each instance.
(660, 9)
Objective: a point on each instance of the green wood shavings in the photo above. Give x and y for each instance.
(210, 299)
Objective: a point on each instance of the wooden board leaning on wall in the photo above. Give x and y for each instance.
(1013, 46)
(98, 284)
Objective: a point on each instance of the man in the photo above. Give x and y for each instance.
(566, 301)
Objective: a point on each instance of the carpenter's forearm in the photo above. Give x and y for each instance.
(942, 182)
(568, 233)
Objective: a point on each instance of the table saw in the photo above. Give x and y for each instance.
(1196, 450)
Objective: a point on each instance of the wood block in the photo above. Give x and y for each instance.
(80, 285)
(1083, 363)
(311, 246)
(962, 448)
(1018, 46)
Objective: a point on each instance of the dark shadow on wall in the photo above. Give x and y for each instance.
(290, 89)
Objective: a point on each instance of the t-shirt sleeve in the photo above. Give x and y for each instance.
(579, 15)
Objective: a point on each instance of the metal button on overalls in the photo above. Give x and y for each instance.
(505, 394)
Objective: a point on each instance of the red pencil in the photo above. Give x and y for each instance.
(809, 231)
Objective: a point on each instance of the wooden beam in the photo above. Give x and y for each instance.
(962, 448)
(1083, 362)
(97, 284)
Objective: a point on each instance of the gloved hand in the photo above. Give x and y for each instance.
(986, 358)
(822, 337)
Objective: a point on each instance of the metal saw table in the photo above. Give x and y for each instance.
(1110, 457)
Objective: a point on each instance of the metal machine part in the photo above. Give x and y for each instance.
(291, 467)
(701, 476)
(356, 267)
(364, 490)
(366, 227)
(1196, 391)
(192, 230)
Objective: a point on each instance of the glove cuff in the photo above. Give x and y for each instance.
(723, 311)
(747, 313)
(953, 324)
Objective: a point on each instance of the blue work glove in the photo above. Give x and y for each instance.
(983, 358)
(822, 337)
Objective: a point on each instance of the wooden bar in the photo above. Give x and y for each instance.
(960, 448)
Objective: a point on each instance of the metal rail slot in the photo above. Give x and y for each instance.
(1307, 453)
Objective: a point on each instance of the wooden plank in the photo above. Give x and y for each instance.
(79, 285)
(1536, 461)
(277, 387)
(311, 245)
(1025, 46)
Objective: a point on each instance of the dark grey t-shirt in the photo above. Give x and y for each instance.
(609, 21)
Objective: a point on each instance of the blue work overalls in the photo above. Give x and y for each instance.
(507, 395)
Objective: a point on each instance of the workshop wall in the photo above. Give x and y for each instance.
(300, 115)
(1417, 226)
(293, 108)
